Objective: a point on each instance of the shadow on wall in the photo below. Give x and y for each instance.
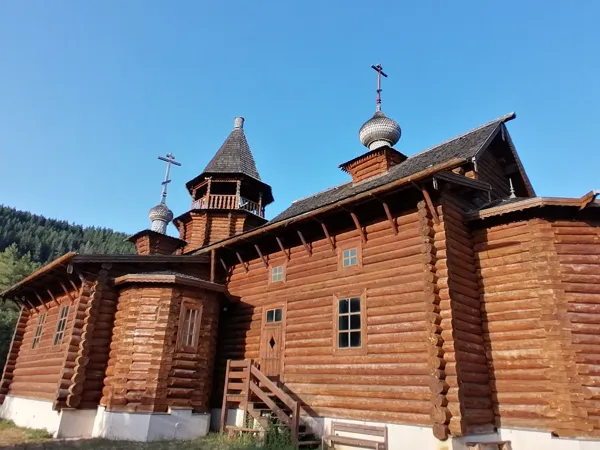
(233, 340)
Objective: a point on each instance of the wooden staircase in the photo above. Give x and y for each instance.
(263, 403)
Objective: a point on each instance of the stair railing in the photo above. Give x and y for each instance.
(292, 420)
(244, 377)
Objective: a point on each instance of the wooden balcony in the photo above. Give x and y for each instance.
(228, 202)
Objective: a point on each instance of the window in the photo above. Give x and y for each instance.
(62, 324)
(350, 257)
(38, 330)
(349, 323)
(274, 315)
(189, 326)
(277, 274)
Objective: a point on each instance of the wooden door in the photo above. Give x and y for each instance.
(271, 342)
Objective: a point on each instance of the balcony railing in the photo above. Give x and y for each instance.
(228, 202)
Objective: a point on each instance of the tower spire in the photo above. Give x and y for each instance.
(379, 69)
(169, 159)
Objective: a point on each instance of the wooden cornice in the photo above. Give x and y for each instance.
(536, 202)
(169, 279)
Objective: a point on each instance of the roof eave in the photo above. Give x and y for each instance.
(535, 202)
(419, 176)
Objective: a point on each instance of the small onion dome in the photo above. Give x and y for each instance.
(160, 216)
(379, 131)
(161, 212)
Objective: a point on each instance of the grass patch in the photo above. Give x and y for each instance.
(10, 434)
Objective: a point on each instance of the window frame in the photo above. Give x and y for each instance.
(39, 329)
(279, 262)
(354, 244)
(362, 350)
(274, 309)
(181, 334)
(59, 333)
(282, 274)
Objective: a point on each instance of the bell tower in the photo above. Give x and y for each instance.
(228, 197)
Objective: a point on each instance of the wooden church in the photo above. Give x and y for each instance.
(431, 302)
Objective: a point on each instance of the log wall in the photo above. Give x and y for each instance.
(390, 381)
(207, 227)
(13, 352)
(146, 371)
(466, 370)
(577, 246)
(539, 291)
(190, 377)
(37, 372)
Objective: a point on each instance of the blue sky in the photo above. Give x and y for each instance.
(92, 92)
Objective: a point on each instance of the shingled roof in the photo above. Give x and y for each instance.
(464, 146)
(234, 156)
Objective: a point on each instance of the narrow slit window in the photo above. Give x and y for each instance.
(38, 330)
(274, 315)
(189, 327)
(277, 274)
(350, 257)
(62, 324)
(349, 323)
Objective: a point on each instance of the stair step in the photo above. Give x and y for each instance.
(303, 443)
(493, 445)
(242, 429)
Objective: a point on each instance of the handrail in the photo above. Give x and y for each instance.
(294, 421)
(248, 378)
(218, 201)
(289, 401)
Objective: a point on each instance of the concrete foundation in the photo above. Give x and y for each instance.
(176, 424)
(38, 414)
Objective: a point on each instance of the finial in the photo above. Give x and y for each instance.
(238, 122)
(512, 189)
(379, 69)
(170, 159)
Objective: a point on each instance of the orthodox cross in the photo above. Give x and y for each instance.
(379, 69)
(169, 159)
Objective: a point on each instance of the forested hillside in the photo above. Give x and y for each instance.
(46, 239)
(28, 241)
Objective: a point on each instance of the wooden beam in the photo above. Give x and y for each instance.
(363, 236)
(390, 218)
(74, 285)
(432, 210)
(67, 292)
(52, 297)
(31, 305)
(264, 260)
(241, 261)
(329, 238)
(212, 266)
(41, 301)
(282, 248)
(306, 246)
(587, 199)
(223, 264)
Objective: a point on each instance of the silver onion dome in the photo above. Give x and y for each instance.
(379, 131)
(160, 216)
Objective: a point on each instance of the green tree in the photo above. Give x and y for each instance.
(13, 268)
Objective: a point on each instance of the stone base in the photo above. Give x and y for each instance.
(529, 439)
(38, 414)
(176, 424)
(402, 437)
